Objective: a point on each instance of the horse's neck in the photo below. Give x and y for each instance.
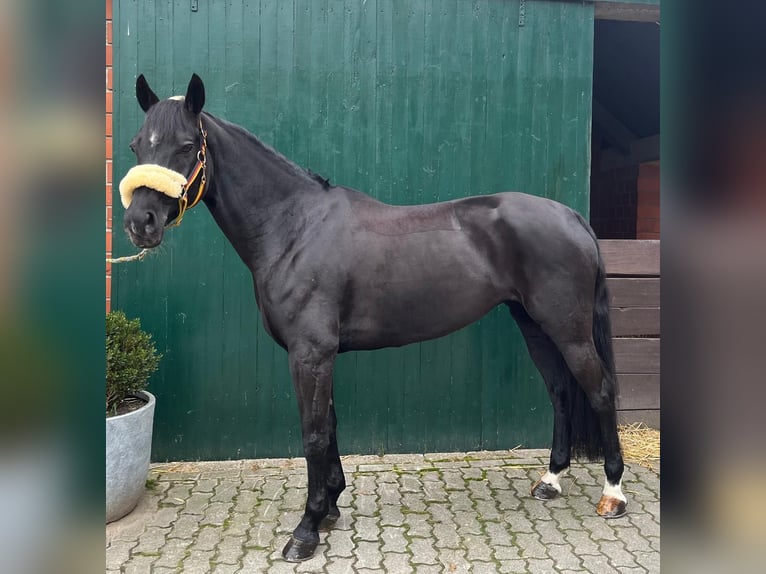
(252, 189)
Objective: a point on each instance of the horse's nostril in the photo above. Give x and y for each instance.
(149, 219)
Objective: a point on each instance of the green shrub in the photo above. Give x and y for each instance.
(131, 358)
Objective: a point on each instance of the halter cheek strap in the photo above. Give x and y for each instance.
(199, 171)
(168, 181)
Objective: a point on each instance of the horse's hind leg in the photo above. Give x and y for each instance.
(556, 375)
(589, 371)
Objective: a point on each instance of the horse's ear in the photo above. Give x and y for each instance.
(144, 94)
(195, 95)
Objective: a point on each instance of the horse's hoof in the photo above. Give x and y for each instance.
(329, 521)
(298, 550)
(610, 507)
(544, 491)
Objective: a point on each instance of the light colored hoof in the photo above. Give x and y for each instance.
(611, 507)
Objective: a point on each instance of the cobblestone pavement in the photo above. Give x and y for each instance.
(467, 512)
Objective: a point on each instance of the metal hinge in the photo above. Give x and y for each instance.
(522, 12)
(194, 5)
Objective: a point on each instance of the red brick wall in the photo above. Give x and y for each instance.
(108, 152)
(648, 205)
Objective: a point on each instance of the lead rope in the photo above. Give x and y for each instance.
(137, 257)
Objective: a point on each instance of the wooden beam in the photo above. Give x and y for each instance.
(638, 392)
(637, 356)
(635, 321)
(612, 129)
(634, 291)
(630, 12)
(631, 256)
(645, 149)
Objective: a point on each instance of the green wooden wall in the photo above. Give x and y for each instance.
(412, 102)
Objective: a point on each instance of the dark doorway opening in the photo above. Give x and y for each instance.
(625, 166)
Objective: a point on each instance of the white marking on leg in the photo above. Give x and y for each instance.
(552, 479)
(614, 491)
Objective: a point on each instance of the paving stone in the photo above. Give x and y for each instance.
(237, 524)
(417, 525)
(315, 564)
(394, 562)
(505, 553)
(340, 543)
(367, 528)
(422, 551)
(513, 566)
(254, 561)
(446, 535)
(617, 554)
(205, 485)
(597, 565)
(368, 555)
(563, 556)
(413, 502)
(197, 502)
(118, 553)
(341, 566)
(225, 569)
(366, 505)
(532, 547)
(393, 538)
(497, 534)
(197, 562)
(230, 549)
(540, 566)
(208, 537)
(140, 565)
(391, 515)
(483, 568)
(152, 539)
(173, 552)
(216, 513)
(550, 532)
(453, 561)
(581, 540)
(163, 518)
(477, 549)
(261, 535)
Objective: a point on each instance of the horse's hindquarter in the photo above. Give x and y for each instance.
(419, 272)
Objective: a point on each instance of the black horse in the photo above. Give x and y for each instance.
(335, 271)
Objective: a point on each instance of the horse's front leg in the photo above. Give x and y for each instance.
(311, 371)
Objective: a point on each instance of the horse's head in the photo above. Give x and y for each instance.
(170, 153)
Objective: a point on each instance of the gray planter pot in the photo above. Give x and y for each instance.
(128, 448)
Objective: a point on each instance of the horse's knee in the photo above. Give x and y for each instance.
(316, 445)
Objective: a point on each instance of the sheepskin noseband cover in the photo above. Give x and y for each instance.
(153, 176)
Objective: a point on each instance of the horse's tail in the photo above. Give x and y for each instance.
(586, 437)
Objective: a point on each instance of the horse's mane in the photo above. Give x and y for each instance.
(294, 167)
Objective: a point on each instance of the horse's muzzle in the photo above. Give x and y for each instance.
(144, 228)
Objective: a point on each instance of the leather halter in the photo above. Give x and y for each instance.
(199, 168)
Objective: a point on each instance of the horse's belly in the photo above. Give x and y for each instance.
(417, 290)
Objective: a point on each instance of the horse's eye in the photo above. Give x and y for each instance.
(187, 148)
